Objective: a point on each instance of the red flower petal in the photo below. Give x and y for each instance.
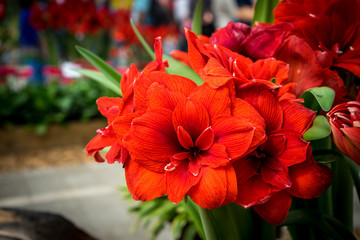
(216, 156)
(295, 149)
(309, 179)
(128, 78)
(265, 101)
(231, 36)
(122, 124)
(109, 107)
(296, 116)
(171, 82)
(217, 102)
(99, 142)
(352, 143)
(231, 192)
(246, 168)
(254, 191)
(269, 68)
(211, 191)
(275, 209)
(243, 110)
(279, 179)
(143, 184)
(215, 74)
(205, 140)
(159, 96)
(234, 133)
(152, 140)
(263, 41)
(179, 181)
(196, 50)
(181, 56)
(184, 138)
(114, 154)
(305, 70)
(192, 116)
(274, 146)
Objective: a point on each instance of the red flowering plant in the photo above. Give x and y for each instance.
(241, 130)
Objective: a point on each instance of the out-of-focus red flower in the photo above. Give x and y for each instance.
(264, 40)
(121, 111)
(344, 120)
(232, 36)
(261, 41)
(331, 28)
(268, 176)
(305, 69)
(2, 9)
(181, 56)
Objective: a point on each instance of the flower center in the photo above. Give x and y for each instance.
(192, 150)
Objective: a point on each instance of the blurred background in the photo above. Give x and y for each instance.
(48, 111)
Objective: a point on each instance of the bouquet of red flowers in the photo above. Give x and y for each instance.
(242, 130)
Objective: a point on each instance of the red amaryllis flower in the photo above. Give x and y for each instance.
(186, 143)
(121, 111)
(332, 29)
(231, 36)
(308, 68)
(218, 65)
(305, 69)
(261, 41)
(344, 120)
(271, 170)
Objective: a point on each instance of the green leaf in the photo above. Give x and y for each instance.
(196, 26)
(329, 227)
(142, 40)
(178, 68)
(264, 11)
(102, 79)
(320, 129)
(190, 233)
(101, 65)
(318, 98)
(192, 209)
(177, 226)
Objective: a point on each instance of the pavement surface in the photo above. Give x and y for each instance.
(85, 194)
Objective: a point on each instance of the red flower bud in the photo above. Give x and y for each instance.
(344, 120)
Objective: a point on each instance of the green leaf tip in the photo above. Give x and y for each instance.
(319, 98)
(319, 129)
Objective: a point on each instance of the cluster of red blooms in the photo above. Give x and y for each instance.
(76, 16)
(84, 17)
(237, 137)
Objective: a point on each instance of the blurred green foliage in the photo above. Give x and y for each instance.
(40, 105)
(156, 214)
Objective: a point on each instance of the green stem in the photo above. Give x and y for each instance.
(209, 224)
(355, 173)
(299, 232)
(233, 222)
(263, 230)
(343, 193)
